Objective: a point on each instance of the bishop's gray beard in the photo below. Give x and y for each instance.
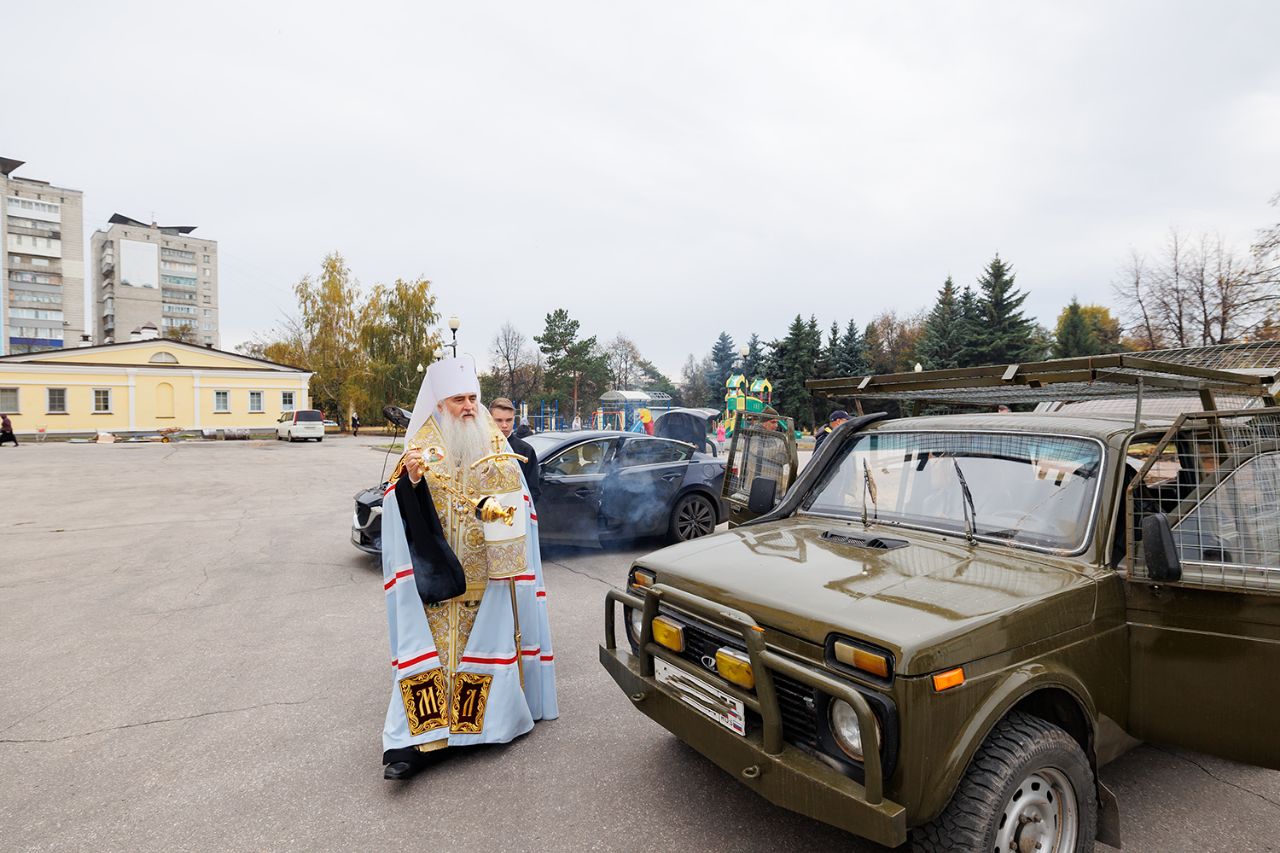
(465, 441)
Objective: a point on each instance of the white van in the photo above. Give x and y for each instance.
(301, 424)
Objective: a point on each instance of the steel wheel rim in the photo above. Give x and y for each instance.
(694, 519)
(1040, 816)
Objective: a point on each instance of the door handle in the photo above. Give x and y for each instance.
(583, 492)
(672, 477)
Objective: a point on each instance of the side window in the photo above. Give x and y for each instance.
(1232, 536)
(640, 451)
(586, 458)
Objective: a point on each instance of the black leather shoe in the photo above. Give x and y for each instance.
(401, 770)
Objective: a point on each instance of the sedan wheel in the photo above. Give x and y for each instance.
(694, 516)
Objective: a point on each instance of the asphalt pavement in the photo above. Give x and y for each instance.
(194, 657)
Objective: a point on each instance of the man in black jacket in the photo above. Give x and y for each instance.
(504, 415)
(838, 417)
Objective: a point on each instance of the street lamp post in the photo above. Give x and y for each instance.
(454, 323)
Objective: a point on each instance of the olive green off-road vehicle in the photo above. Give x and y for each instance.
(945, 625)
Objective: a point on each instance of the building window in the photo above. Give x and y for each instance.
(208, 340)
(163, 357)
(206, 259)
(102, 400)
(286, 401)
(222, 401)
(255, 401)
(9, 401)
(206, 272)
(57, 401)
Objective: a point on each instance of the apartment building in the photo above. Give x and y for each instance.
(157, 274)
(42, 268)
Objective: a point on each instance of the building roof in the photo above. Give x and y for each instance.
(7, 165)
(121, 219)
(68, 355)
(625, 397)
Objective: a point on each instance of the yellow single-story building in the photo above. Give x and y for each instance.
(146, 386)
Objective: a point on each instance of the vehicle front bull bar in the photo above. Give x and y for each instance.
(763, 664)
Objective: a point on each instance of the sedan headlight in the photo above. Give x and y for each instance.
(846, 730)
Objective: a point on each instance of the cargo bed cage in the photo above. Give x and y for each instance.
(1238, 370)
(764, 663)
(1215, 477)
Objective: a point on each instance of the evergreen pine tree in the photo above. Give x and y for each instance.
(853, 356)
(1006, 335)
(970, 336)
(794, 361)
(1076, 336)
(723, 357)
(753, 364)
(944, 331)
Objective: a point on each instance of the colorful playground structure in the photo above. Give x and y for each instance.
(629, 410)
(741, 396)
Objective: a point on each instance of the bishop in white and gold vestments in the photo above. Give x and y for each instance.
(463, 580)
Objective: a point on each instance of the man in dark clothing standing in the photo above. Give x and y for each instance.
(838, 417)
(6, 431)
(504, 415)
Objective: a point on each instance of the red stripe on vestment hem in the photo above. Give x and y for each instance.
(534, 516)
(542, 593)
(491, 661)
(523, 578)
(400, 574)
(389, 490)
(419, 659)
(548, 658)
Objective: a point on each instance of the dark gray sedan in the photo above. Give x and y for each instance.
(601, 486)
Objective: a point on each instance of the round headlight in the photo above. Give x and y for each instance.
(845, 728)
(632, 617)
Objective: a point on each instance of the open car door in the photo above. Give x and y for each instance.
(1203, 593)
(762, 452)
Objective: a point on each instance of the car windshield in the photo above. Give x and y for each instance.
(1033, 490)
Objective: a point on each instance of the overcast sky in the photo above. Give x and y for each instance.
(667, 170)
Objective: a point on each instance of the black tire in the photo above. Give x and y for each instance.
(318, 440)
(694, 516)
(1014, 787)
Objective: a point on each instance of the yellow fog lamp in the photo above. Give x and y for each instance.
(668, 633)
(735, 668)
(641, 579)
(860, 658)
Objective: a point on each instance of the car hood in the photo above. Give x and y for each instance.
(934, 604)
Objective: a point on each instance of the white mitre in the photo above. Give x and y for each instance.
(444, 379)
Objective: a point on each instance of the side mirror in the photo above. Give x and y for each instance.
(1160, 552)
(762, 496)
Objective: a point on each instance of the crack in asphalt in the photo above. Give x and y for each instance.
(1213, 775)
(153, 722)
(582, 573)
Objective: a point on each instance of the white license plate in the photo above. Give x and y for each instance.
(702, 697)
(355, 536)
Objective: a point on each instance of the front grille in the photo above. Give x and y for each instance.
(362, 515)
(795, 701)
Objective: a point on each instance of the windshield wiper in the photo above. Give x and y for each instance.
(970, 513)
(868, 488)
